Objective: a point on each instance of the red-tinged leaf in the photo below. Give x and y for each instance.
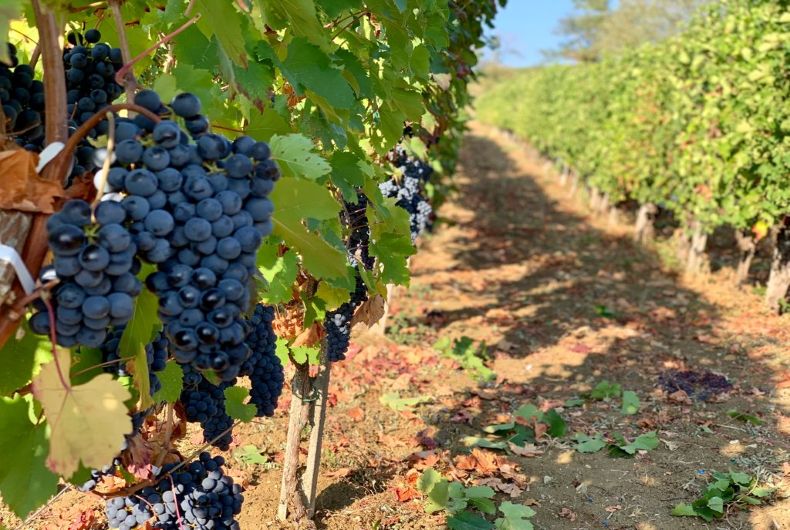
(406, 494)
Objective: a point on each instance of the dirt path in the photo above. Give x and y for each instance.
(563, 301)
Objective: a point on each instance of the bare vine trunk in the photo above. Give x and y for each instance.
(645, 223)
(290, 492)
(317, 418)
(748, 246)
(779, 280)
(614, 215)
(574, 185)
(595, 199)
(603, 207)
(695, 264)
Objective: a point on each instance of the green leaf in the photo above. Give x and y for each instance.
(282, 351)
(573, 402)
(716, 504)
(9, 10)
(741, 478)
(480, 497)
(265, 125)
(643, 442)
(172, 379)
(557, 425)
(477, 441)
(438, 497)
(397, 403)
(279, 272)
(166, 86)
(296, 156)
(762, 491)
(235, 396)
(295, 198)
(499, 427)
(748, 418)
(515, 517)
(684, 510)
(307, 67)
(529, 412)
(348, 173)
(468, 521)
(223, 21)
(298, 16)
(139, 332)
(428, 480)
(25, 481)
(630, 403)
(606, 390)
(306, 354)
(21, 357)
(250, 455)
(588, 444)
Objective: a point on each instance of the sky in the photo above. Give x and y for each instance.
(526, 27)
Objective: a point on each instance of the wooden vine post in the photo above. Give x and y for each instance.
(28, 231)
(309, 401)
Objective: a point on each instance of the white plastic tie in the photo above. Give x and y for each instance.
(48, 154)
(10, 255)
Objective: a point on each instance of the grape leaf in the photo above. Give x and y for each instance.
(397, 403)
(224, 22)
(684, 510)
(307, 67)
(279, 272)
(87, 422)
(235, 406)
(348, 173)
(264, 125)
(296, 156)
(630, 403)
(333, 8)
(515, 517)
(320, 259)
(468, 521)
(589, 444)
(299, 16)
(25, 481)
(21, 357)
(299, 198)
(139, 332)
(172, 379)
(557, 425)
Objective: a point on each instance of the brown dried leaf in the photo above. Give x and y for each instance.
(309, 337)
(528, 451)
(507, 488)
(370, 311)
(23, 189)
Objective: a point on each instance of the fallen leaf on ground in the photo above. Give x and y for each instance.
(507, 488)
(567, 513)
(528, 451)
(356, 414)
(679, 396)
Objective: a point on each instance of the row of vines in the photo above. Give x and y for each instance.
(696, 126)
(200, 198)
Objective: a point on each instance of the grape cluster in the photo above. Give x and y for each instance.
(408, 190)
(263, 367)
(96, 265)
(155, 351)
(197, 495)
(22, 98)
(90, 68)
(199, 210)
(337, 323)
(204, 403)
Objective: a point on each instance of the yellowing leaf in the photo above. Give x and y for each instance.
(87, 422)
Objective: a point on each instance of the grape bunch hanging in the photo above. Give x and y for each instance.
(408, 188)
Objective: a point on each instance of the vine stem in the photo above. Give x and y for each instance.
(129, 81)
(121, 73)
(105, 168)
(54, 339)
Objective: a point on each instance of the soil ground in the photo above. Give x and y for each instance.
(563, 300)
